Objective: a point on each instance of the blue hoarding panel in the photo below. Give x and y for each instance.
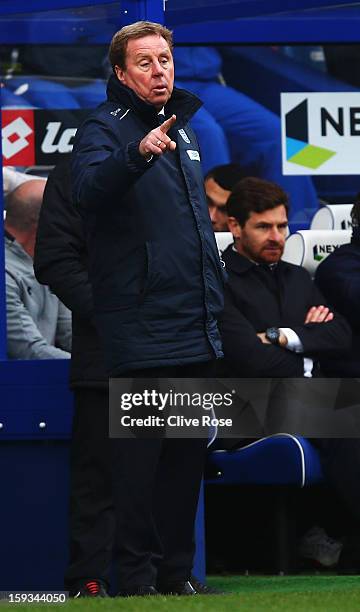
(286, 29)
(36, 403)
(185, 11)
(8, 7)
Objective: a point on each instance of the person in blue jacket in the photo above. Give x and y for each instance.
(231, 127)
(157, 287)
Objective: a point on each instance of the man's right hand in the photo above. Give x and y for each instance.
(157, 141)
(319, 314)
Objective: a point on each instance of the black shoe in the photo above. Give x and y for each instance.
(139, 591)
(177, 588)
(190, 587)
(89, 588)
(203, 589)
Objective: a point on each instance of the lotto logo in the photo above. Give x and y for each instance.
(18, 140)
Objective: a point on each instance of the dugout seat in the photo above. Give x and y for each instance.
(332, 217)
(9, 99)
(42, 93)
(223, 239)
(280, 459)
(283, 461)
(308, 248)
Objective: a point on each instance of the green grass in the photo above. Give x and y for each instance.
(245, 593)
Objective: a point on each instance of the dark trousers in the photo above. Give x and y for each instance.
(148, 487)
(156, 490)
(92, 518)
(340, 458)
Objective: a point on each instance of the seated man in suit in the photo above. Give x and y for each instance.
(276, 322)
(339, 279)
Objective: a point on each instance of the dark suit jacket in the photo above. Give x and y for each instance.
(338, 277)
(253, 303)
(61, 262)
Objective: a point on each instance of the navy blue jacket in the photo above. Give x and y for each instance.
(154, 265)
(338, 277)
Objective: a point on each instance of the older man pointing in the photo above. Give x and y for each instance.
(157, 286)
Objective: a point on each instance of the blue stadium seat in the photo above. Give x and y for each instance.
(283, 461)
(91, 94)
(44, 93)
(8, 98)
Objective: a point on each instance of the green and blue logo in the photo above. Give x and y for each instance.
(298, 148)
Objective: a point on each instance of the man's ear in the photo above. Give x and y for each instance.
(234, 227)
(120, 73)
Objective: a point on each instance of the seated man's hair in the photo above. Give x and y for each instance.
(23, 205)
(254, 195)
(226, 175)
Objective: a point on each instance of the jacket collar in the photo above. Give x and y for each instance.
(8, 235)
(235, 262)
(182, 103)
(239, 264)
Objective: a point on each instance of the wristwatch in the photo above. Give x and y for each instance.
(273, 335)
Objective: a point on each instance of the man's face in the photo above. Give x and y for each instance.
(149, 69)
(216, 198)
(262, 239)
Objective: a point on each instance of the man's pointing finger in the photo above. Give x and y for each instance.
(167, 124)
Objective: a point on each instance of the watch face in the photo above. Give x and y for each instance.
(273, 335)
